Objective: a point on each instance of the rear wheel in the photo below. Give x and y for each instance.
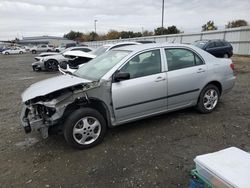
(84, 128)
(33, 51)
(208, 99)
(7, 53)
(51, 65)
(20, 52)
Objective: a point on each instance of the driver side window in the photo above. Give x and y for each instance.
(144, 64)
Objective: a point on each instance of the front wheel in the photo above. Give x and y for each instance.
(84, 128)
(51, 65)
(208, 99)
(20, 52)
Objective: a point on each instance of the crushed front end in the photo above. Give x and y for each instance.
(41, 113)
(37, 117)
(45, 102)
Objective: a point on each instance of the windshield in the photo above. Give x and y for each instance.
(98, 67)
(200, 44)
(100, 50)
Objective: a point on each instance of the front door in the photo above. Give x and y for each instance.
(146, 90)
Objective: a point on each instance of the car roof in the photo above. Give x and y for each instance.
(76, 47)
(141, 47)
(210, 40)
(119, 43)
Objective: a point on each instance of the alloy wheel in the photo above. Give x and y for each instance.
(210, 99)
(86, 130)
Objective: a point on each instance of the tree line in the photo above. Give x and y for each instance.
(114, 34)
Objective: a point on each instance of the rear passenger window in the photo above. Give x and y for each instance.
(219, 44)
(211, 45)
(181, 58)
(198, 60)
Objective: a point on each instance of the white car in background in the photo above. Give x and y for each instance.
(80, 59)
(42, 48)
(14, 50)
(49, 61)
(75, 60)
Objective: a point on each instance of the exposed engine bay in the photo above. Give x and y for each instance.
(42, 112)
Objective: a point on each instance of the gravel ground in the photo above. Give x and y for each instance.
(156, 152)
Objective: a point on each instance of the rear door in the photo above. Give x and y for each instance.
(186, 76)
(146, 90)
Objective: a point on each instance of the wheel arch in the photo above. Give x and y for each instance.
(51, 59)
(46, 61)
(217, 84)
(94, 103)
(214, 82)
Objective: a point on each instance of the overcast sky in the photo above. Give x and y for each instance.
(55, 17)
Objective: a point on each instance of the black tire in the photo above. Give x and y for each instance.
(7, 53)
(20, 52)
(51, 65)
(33, 51)
(202, 100)
(48, 50)
(72, 121)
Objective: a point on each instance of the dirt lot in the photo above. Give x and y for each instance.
(157, 152)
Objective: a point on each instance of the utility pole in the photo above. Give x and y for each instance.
(95, 25)
(162, 17)
(95, 29)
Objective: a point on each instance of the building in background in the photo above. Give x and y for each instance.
(55, 41)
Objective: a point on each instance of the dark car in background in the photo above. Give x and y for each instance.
(218, 48)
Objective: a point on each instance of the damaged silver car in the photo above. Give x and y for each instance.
(124, 85)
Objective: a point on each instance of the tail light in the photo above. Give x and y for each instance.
(232, 66)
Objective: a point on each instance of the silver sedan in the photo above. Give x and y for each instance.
(124, 85)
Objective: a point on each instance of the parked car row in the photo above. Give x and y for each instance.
(120, 84)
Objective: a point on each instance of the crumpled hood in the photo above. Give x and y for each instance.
(78, 53)
(56, 56)
(50, 85)
(48, 54)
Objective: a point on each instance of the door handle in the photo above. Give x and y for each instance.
(159, 78)
(200, 70)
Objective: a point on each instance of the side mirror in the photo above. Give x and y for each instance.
(119, 76)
